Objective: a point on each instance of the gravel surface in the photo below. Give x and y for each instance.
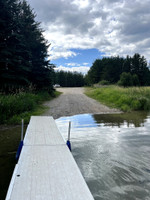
(73, 101)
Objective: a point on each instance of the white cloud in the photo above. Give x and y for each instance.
(73, 64)
(115, 27)
(80, 69)
(85, 63)
(55, 54)
(81, 3)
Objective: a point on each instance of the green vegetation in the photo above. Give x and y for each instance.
(129, 71)
(126, 99)
(26, 75)
(126, 79)
(104, 82)
(23, 49)
(69, 79)
(14, 107)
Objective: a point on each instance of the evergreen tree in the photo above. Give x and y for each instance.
(135, 80)
(41, 70)
(139, 67)
(11, 47)
(23, 49)
(69, 79)
(126, 67)
(95, 73)
(110, 69)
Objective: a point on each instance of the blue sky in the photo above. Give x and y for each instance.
(82, 61)
(81, 31)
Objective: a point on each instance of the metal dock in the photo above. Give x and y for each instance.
(46, 169)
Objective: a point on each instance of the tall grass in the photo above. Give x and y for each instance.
(126, 99)
(13, 107)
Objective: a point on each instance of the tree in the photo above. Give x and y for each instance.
(23, 49)
(69, 79)
(135, 80)
(127, 65)
(36, 44)
(111, 68)
(125, 79)
(95, 72)
(138, 67)
(11, 47)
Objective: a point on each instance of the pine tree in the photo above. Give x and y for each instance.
(23, 49)
(41, 70)
(139, 67)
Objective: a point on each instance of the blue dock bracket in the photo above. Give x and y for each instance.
(68, 143)
(21, 142)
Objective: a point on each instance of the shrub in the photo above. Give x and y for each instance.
(125, 108)
(104, 82)
(145, 103)
(125, 79)
(135, 105)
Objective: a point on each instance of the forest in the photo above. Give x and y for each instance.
(25, 64)
(69, 79)
(26, 73)
(129, 71)
(24, 59)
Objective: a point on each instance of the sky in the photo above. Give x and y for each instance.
(81, 31)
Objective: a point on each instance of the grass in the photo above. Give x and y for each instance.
(125, 99)
(15, 107)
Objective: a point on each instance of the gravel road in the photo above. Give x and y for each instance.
(73, 101)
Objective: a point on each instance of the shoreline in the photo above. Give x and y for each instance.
(73, 101)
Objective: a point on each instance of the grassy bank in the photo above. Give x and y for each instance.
(126, 99)
(15, 107)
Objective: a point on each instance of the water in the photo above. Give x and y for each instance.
(112, 152)
(9, 141)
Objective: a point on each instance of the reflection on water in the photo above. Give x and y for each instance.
(112, 152)
(135, 119)
(9, 141)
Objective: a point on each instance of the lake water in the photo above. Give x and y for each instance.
(111, 150)
(9, 141)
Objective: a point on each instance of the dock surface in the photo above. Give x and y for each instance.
(46, 169)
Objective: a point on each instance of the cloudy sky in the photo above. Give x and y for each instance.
(82, 30)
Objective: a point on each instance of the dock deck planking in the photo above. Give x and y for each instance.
(43, 131)
(46, 169)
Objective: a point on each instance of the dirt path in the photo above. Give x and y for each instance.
(73, 101)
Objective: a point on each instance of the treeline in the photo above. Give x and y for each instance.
(68, 79)
(132, 70)
(23, 49)
(24, 62)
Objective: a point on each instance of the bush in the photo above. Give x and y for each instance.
(125, 79)
(104, 82)
(145, 103)
(135, 104)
